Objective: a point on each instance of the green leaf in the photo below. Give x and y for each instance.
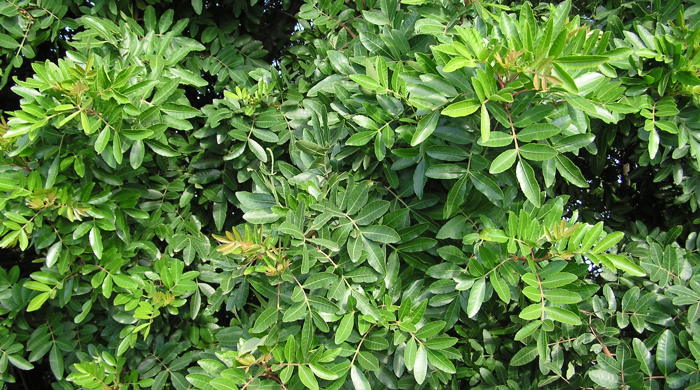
(497, 139)
(441, 362)
(562, 315)
(485, 124)
(604, 378)
(20, 362)
(420, 369)
(366, 82)
(528, 182)
(136, 155)
(372, 211)
(426, 126)
(375, 17)
(608, 242)
(8, 42)
(494, 235)
(625, 264)
(38, 301)
(323, 372)
(197, 6)
(345, 328)
(307, 377)
(430, 329)
(162, 149)
(503, 161)
(409, 353)
(257, 150)
(643, 355)
(527, 330)
(532, 312)
(359, 381)
(56, 362)
(565, 78)
(368, 361)
(53, 253)
(380, 233)
(295, 312)
(445, 171)
(124, 281)
(653, 145)
(581, 61)
(570, 171)
(266, 319)
(537, 152)
(52, 173)
(486, 186)
(524, 356)
(476, 297)
(462, 108)
(502, 289)
(102, 139)
(538, 131)
(440, 342)
(560, 296)
(666, 352)
(361, 138)
(95, 238)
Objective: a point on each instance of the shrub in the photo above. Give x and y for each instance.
(414, 194)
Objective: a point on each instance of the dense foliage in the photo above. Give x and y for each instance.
(326, 194)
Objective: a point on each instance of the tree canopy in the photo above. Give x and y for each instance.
(328, 194)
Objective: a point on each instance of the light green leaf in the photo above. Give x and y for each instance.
(524, 356)
(562, 315)
(476, 297)
(53, 253)
(420, 369)
(366, 82)
(503, 161)
(502, 289)
(307, 377)
(426, 126)
(653, 145)
(345, 328)
(462, 108)
(409, 353)
(643, 355)
(257, 150)
(537, 152)
(361, 138)
(20, 362)
(608, 242)
(570, 171)
(380, 233)
(124, 281)
(528, 182)
(538, 131)
(37, 301)
(604, 378)
(430, 329)
(560, 296)
(266, 319)
(56, 362)
(95, 238)
(102, 139)
(295, 312)
(485, 124)
(666, 352)
(441, 362)
(581, 61)
(359, 381)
